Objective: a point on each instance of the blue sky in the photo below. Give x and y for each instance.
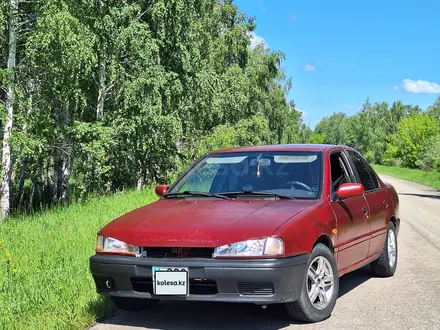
(338, 53)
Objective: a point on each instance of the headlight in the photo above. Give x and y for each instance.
(266, 247)
(113, 246)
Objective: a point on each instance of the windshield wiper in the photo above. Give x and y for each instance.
(196, 193)
(261, 193)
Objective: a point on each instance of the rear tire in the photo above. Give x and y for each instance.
(386, 264)
(320, 272)
(134, 304)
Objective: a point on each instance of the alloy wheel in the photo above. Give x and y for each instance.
(391, 248)
(320, 282)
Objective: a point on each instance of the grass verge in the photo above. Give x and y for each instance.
(45, 281)
(427, 178)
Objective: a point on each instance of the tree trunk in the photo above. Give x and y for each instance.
(62, 166)
(87, 179)
(101, 87)
(139, 176)
(31, 200)
(20, 191)
(7, 130)
(146, 176)
(57, 172)
(40, 185)
(24, 159)
(61, 158)
(48, 183)
(102, 92)
(65, 179)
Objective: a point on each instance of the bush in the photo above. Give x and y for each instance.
(431, 155)
(409, 143)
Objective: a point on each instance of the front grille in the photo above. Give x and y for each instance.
(202, 286)
(142, 284)
(167, 252)
(196, 286)
(255, 288)
(102, 282)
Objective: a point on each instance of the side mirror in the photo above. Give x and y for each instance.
(347, 190)
(160, 189)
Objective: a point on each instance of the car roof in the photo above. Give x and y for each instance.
(282, 147)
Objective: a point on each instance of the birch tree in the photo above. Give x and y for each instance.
(9, 107)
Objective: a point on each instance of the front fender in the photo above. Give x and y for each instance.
(301, 232)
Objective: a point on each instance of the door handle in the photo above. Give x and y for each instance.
(385, 203)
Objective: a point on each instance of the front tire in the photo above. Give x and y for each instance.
(386, 264)
(320, 287)
(134, 304)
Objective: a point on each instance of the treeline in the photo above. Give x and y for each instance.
(395, 135)
(98, 96)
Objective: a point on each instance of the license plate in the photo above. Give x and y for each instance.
(170, 281)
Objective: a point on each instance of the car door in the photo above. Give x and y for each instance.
(377, 201)
(351, 214)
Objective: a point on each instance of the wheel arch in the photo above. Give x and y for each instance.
(396, 222)
(326, 240)
(393, 220)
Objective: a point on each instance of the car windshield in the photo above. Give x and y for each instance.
(292, 174)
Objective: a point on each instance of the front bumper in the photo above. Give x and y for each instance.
(241, 281)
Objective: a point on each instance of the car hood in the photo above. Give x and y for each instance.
(201, 222)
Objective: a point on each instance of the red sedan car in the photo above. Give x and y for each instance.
(262, 225)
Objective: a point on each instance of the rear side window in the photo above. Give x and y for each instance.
(366, 174)
(373, 175)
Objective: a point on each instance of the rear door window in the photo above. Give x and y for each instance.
(366, 174)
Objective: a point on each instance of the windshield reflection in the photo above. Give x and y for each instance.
(295, 174)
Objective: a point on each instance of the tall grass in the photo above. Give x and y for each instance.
(427, 178)
(45, 281)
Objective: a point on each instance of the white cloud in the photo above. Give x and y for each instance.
(396, 88)
(420, 87)
(309, 67)
(256, 40)
(349, 106)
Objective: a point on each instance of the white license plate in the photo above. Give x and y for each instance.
(170, 281)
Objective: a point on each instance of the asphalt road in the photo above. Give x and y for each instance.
(408, 300)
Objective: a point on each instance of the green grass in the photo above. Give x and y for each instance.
(44, 264)
(431, 179)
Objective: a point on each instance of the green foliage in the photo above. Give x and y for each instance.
(95, 142)
(317, 138)
(395, 135)
(252, 131)
(434, 110)
(333, 129)
(410, 142)
(111, 95)
(431, 155)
